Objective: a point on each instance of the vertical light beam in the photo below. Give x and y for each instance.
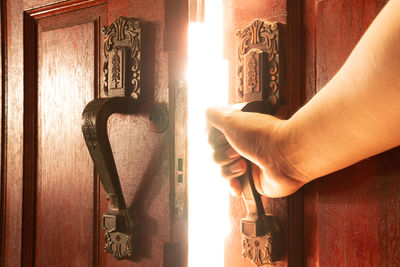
(208, 192)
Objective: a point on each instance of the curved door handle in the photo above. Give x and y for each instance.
(94, 128)
(121, 85)
(258, 83)
(259, 230)
(119, 222)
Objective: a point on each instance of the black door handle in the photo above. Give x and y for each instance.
(260, 232)
(119, 222)
(121, 77)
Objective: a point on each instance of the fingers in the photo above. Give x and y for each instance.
(225, 155)
(216, 138)
(215, 116)
(218, 117)
(235, 169)
(232, 172)
(256, 172)
(231, 162)
(236, 187)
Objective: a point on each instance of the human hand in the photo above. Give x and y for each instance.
(235, 135)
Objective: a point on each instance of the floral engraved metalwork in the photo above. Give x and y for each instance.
(121, 84)
(122, 39)
(258, 250)
(260, 36)
(252, 80)
(88, 131)
(118, 245)
(116, 69)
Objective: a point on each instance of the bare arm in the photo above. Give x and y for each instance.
(356, 115)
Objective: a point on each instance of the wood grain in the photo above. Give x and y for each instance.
(33, 4)
(30, 140)
(351, 218)
(32, 208)
(309, 50)
(3, 129)
(65, 182)
(35, 9)
(53, 201)
(13, 220)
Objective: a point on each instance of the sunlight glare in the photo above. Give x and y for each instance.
(208, 193)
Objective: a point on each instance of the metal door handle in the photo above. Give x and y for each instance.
(259, 230)
(121, 76)
(119, 222)
(258, 77)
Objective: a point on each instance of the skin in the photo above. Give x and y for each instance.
(355, 116)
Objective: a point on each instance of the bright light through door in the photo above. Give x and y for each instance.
(208, 192)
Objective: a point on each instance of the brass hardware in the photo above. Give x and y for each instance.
(119, 222)
(257, 63)
(259, 230)
(121, 53)
(121, 85)
(257, 77)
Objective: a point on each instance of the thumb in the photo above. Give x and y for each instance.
(220, 117)
(241, 129)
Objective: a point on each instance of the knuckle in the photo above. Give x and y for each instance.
(216, 138)
(220, 156)
(234, 169)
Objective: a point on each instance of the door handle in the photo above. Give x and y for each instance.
(260, 232)
(121, 76)
(119, 222)
(257, 76)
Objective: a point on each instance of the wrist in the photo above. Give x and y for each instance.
(289, 154)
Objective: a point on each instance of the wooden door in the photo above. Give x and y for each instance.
(351, 217)
(52, 200)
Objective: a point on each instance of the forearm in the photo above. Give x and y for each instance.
(357, 114)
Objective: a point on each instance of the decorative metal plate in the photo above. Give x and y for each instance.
(121, 54)
(257, 62)
(121, 85)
